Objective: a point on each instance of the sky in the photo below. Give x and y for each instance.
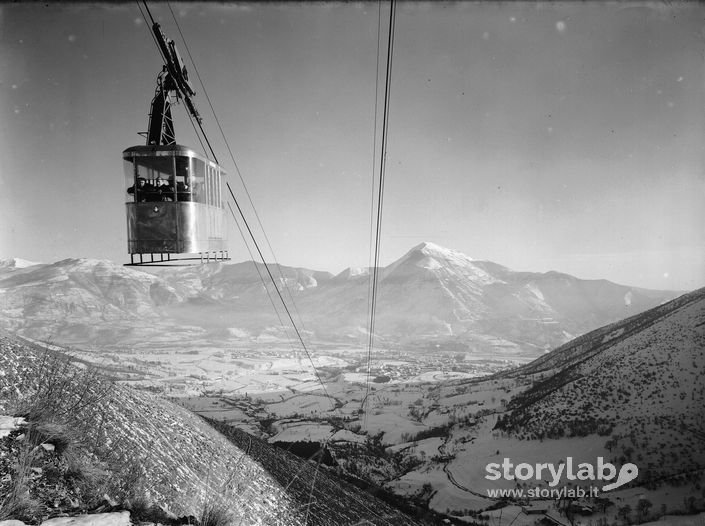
(541, 136)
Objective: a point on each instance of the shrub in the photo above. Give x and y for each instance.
(55, 398)
(215, 515)
(19, 503)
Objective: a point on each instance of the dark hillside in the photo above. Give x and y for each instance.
(329, 499)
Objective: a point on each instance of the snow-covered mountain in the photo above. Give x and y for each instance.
(430, 296)
(77, 300)
(434, 294)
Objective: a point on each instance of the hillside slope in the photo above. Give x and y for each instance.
(639, 382)
(182, 463)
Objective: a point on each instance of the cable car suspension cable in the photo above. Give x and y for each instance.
(370, 260)
(252, 258)
(380, 195)
(281, 298)
(237, 167)
(244, 240)
(256, 244)
(259, 273)
(161, 53)
(242, 235)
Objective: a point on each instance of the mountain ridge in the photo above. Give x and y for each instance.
(430, 294)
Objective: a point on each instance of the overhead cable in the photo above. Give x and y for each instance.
(380, 193)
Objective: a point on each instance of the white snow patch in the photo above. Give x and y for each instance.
(354, 272)
(431, 249)
(359, 271)
(9, 423)
(121, 518)
(310, 282)
(345, 435)
(429, 263)
(237, 333)
(535, 291)
(628, 298)
(17, 263)
(303, 432)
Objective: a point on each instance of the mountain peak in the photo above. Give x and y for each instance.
(438, 260)
(428, 248)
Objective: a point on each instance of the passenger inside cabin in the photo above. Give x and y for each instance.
(168, 189)
(143, 191)
(183, 190)
(154, 193)
(162, 191)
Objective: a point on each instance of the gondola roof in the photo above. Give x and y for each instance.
(157, 149)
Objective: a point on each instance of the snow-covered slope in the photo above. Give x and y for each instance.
(640, 383)
(80, 299)
(632, 391)
(181, 462)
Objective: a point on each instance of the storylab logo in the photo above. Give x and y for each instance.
(568, 471)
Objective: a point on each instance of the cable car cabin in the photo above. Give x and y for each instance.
(174, 203)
